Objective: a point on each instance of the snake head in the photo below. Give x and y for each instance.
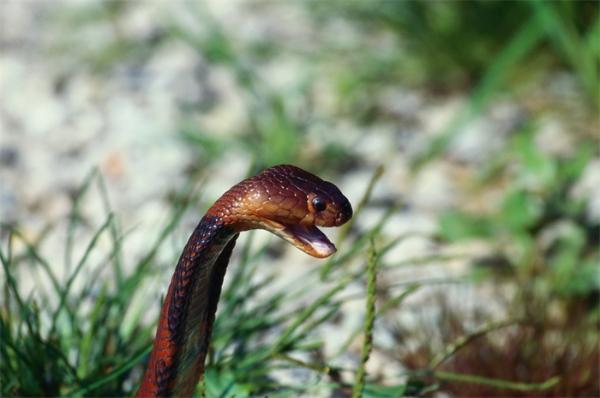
(289, 202)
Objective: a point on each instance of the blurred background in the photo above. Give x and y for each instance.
(464, 133)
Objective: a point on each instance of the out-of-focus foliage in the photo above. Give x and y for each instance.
(73, 341)
(544, 245)
(539, 228)
(446, 45)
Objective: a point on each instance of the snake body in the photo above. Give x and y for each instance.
(285, 200)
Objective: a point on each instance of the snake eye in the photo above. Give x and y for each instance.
(319, 204)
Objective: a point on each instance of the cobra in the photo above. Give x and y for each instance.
(285, 200)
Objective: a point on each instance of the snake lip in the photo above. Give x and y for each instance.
(307, 238)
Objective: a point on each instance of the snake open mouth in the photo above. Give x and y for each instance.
(309, 239)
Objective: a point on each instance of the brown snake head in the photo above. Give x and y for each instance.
(289, 202)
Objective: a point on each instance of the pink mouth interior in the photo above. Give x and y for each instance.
(313, 237)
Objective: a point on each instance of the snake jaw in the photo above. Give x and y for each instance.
(310, 240)
(307, 238)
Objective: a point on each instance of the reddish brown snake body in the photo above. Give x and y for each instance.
(285, 200)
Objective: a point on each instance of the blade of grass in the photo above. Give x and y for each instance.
(461, 342)
(10, 343)
(367, 346)
(319, 368)
(283, 339)
(309, 327)
(592, 41)
(86, 343)
(11, 282)
(82, 391)
(64, 292)
(360, 243)
(131, 283)
(377, 174)
(74, 218)
(115, 234)
(394, 302)
(425, 260)
(6, 261)
(498, 383)
(565, 38)
(33, 254)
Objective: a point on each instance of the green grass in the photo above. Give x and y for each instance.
(370, 315)
(62, 340)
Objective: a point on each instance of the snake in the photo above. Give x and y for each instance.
(285, 200)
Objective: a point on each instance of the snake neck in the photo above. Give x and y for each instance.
(188, 312)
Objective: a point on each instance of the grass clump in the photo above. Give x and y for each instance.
(68, 336)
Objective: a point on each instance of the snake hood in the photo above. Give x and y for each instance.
(289, 202)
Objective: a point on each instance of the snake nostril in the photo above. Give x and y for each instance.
(343, 215)
(346, 211)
